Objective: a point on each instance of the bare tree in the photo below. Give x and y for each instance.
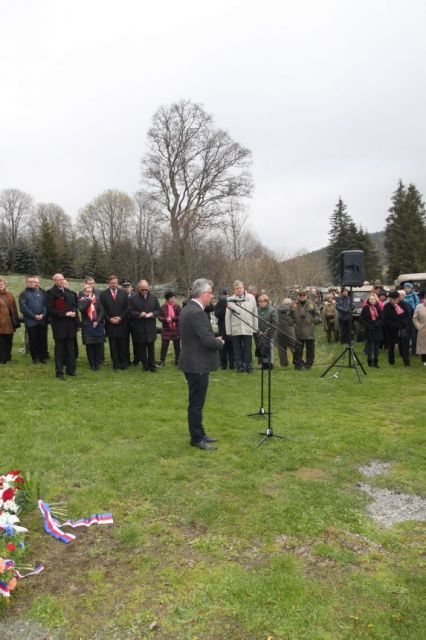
(234, 229)
(107, 219)
(148, 224)
(16, 208)
(193, 171)
(59, 220)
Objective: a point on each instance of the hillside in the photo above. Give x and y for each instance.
(315, 262)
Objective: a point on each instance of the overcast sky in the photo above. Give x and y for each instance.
(328, 94)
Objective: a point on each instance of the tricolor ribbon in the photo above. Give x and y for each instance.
(4, 589)
(54, 528)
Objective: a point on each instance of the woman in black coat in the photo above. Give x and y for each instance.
(396, 317)
(93, 326)
(372, 320)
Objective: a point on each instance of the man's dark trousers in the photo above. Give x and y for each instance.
(64, 355)
(37, 337)
(198, 384)
(118, 348)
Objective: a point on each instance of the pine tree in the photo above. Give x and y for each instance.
(343, 236)
(405, 232)
(48, 258)
(372, 266)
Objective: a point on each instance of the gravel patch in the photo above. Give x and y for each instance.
(389, 507)
(375, 468)
(28, 629)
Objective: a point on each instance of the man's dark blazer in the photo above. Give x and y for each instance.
(58, 302)
(144, 329)
(112, 308)
(199, 346)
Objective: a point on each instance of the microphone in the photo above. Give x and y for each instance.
(236, 299)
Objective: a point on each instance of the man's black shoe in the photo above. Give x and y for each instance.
(208, 439)
(60, 376)
(43, 361)
(35, 361)
(202, 445)
(71, 373)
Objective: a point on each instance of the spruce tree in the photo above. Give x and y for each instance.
(372, 266)
(342, 237)
(405, 232)
(48, 258)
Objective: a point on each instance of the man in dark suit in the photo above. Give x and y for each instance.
(198, 357)
(62, 311)
(144, 310)
(115, 305)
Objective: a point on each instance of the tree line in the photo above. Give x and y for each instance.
(405, 237)
(189, 217)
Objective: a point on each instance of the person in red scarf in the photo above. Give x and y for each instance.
(372, 319)
(169, 319)
(92, 317)
(396, 318)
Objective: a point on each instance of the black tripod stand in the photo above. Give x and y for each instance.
(262, 413)
(265, 343)
(266, 347)
(353, 360)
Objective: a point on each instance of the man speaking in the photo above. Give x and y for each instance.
(198, 357)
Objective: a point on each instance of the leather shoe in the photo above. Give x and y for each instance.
(202, 445)
(208, 439)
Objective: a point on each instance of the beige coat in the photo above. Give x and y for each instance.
(419, 321)
(244, 321)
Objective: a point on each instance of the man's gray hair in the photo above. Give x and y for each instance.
(238, 283)
(199, 286)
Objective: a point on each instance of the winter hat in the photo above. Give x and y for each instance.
(168, 295)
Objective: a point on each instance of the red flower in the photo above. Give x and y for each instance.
(14, 472)
(8, 494)
(10, 546)
(19, 480)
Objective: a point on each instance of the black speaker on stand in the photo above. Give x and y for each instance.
(351, 268)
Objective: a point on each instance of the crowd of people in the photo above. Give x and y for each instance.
(243, 318)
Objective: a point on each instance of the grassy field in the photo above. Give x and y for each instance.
(241, 543)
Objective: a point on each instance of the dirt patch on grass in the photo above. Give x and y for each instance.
(308, 473)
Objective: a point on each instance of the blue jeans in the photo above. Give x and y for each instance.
(243, 359)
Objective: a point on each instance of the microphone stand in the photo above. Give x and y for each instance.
(268, 433)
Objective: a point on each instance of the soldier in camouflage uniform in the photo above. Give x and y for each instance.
(305, 315)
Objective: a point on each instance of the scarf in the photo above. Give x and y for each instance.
(171, 314)
(373, 312)
(399, 310)
(91, 310)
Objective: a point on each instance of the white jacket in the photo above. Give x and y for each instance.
(243, 324)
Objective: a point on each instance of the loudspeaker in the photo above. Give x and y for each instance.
(352, 268)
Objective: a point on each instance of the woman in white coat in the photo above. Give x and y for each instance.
(419, 321)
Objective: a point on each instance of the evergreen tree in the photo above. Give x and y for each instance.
(372, 266)
(48, 258)
(405, 232)
(343, 236)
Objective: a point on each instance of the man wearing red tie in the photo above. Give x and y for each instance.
(115, 304)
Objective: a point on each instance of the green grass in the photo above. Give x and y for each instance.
(238, 543)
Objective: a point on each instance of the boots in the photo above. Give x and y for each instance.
(370, 363)
(376, 363)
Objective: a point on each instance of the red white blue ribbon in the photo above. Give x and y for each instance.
(54, 528)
